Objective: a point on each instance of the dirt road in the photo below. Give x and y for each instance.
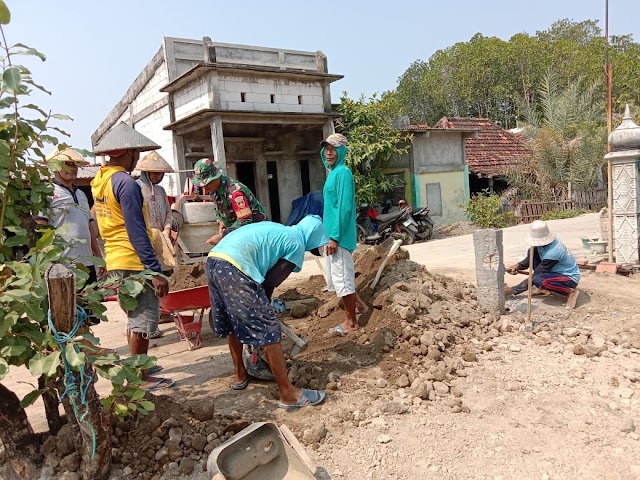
(555, 399)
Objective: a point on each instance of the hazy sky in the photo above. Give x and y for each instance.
(95, 49)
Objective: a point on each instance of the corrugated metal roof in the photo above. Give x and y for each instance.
(88, 171)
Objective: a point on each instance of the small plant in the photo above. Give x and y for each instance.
(560, 214)
(485, 210)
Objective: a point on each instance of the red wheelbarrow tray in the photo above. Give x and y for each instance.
(187, 299)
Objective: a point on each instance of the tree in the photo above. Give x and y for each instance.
(26, 252)
(566, 138)
(373, 142)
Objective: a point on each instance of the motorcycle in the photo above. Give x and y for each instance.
(394, 224)
(422, 225)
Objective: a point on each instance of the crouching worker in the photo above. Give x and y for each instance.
(554, 267)
(237, 267)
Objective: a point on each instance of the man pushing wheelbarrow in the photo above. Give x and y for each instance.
(237, 267)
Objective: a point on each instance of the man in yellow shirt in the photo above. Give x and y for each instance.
(123, 225)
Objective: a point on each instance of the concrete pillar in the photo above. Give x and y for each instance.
(625, 179)
(626, 205)
(217, 142)
(489, 270)
(180, 164)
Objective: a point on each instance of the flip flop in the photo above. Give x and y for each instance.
(154, 369)
(308, 398)
(242, 385)
(161, 384)
(336, 331)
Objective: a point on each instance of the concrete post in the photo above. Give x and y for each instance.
(489, 270)
(217, 142)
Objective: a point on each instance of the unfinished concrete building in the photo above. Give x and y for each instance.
(259, 112)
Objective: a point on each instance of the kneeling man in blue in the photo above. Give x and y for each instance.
(237, 267)
(554, 266)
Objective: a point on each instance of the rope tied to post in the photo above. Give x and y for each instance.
(71, 387)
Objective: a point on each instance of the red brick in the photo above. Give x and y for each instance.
(606, 267)
(582, 261)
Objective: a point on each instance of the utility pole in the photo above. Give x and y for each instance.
(609, 80)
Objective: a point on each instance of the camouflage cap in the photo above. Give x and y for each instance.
(335, 139)
(205, 171)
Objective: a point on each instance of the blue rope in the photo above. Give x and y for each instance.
(70, 387)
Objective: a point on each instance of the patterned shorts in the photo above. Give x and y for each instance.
(240, 306)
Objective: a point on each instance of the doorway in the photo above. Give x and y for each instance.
(274, 194)
(246, 173)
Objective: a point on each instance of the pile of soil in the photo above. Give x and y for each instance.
(188, 276)
(422, 330)
(174, 441)
(454, 229)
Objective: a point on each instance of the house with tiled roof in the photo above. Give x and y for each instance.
(490, 154)
(433, 171)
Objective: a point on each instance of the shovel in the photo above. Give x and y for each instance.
(300, 343)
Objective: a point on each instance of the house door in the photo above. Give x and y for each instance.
(274, 194)
(246, 173)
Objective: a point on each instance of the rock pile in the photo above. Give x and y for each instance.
(172, 442)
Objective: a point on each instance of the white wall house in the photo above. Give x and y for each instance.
(259, 112)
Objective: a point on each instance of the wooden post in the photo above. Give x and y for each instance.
(61, 283)
(531, 249)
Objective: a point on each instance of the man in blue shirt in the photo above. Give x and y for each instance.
(242, 271)
(554, 267)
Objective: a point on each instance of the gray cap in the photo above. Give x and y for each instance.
(123, 137)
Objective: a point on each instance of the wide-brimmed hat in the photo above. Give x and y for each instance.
(66, 155)
(58, 158)
(205, 171)
(121, 138)
(153, 162)
(335, 139)
(539, 234)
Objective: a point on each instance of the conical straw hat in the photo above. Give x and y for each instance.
(67, 155)
(153, 162)
(123, 137)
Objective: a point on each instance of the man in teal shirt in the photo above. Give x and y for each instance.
(242, 271)
(339, 217)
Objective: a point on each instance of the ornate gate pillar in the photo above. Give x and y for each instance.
(625, 161)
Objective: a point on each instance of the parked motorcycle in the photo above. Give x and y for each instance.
(394, 224)
(422, 226)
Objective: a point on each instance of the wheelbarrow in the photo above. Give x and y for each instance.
(187, 308)
(259, 452)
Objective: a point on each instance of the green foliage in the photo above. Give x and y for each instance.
(373, 142)
(494, 78)
(485, 210)
(27, 251)
(560, 214)
(566, 138)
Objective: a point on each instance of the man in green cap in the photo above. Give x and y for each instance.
(236, 205)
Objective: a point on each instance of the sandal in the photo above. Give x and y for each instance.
(154, 369)
(161, 384)
(242, 385)
(308, 398)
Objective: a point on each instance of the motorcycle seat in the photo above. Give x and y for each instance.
(385, 217)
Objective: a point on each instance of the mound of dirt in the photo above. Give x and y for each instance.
(188, 276)
(422, 330)
(454, 229)
(174, 441)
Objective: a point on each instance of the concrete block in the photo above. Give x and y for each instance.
(312, 108)
(606, 267)
(489, 270)
(259, 98)
(290, 108)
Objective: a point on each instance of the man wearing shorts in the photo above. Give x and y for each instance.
(339, 217)
(122, 220)
(237, 267)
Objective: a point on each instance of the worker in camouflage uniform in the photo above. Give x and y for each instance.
(236, 205)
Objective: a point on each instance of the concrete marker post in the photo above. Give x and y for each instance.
(490, 270)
